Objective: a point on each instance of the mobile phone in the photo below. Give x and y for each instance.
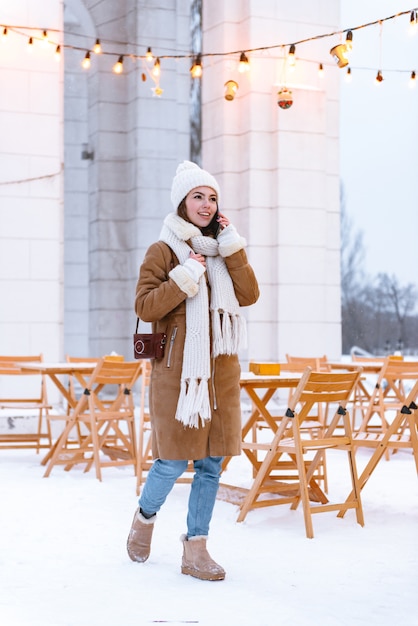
(215, 223)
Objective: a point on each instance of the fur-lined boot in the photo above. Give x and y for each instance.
(197, 561)
(139, 539)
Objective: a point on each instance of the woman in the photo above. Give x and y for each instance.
(191, 286)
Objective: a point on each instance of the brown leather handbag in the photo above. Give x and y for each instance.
(148, 345)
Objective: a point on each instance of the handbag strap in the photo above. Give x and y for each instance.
(171, 267)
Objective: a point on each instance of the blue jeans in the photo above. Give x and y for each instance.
(161, 479)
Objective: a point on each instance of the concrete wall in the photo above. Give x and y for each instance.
(31, 189)
(116, 200)
(279, 169)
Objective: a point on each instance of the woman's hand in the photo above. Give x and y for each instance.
(223, 221)
(198, 257)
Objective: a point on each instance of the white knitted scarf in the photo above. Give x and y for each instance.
(228, 326)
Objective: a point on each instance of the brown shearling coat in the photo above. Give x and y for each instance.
(159, 300)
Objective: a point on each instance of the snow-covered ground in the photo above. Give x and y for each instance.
(63, 560)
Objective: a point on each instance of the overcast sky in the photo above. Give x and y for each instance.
(379, 137)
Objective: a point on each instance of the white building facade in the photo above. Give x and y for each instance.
(87, 158)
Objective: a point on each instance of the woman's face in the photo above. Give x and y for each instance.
(201, 206)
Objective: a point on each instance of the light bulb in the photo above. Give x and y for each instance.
(196, 69)
(412, 80)
(244, 64)
(86, 62)
(30, 44)
(118, 67)
(413, 20)
(58, 53)
(349, 41)
(5, 33)
(45, 38)
(231, 88)
(321, 70)
(291, 56)
(97, 48)
(348, 76)
(148, 55)
(379, 78)
(156, 70)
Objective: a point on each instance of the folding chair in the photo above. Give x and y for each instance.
(334, 390)
(106, 409)
(389, 395)
(24, 391)
(73, 387)
(318, 421)
(319, 363)
(401, 434)
(367, 382)
(314, 423)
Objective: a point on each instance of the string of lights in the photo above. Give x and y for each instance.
(151, 62)
(30, 180)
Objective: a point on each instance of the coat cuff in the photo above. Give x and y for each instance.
(229, 241)
(184, 281)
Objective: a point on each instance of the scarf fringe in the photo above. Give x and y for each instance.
(193, 404)
(230, 335)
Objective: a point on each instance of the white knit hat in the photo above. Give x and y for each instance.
(189, 176)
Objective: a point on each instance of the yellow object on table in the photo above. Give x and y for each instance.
(264, 369)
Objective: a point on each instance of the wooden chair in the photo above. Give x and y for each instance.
(73, 388)
(75, 391)
(361, 399)
(106, 409)
(389, 394)
(144, 457)
(314, 423)
(24, 391)
(330, 388)
(317, 363)
(401, 434)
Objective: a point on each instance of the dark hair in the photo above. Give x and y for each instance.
(209, 231)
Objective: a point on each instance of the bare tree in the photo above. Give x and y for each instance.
(352, 255)
(377, 313)
(399, 300)
(352, 282)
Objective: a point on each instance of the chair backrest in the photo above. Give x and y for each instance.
(108, 372)
(111, 384)
(367, 359)
(392, 375)
(319, 363)
(323, 387)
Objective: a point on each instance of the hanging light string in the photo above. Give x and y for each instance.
(18, 30)
(32, 179)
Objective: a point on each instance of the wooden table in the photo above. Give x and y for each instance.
(54, 370)
(253, 383)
